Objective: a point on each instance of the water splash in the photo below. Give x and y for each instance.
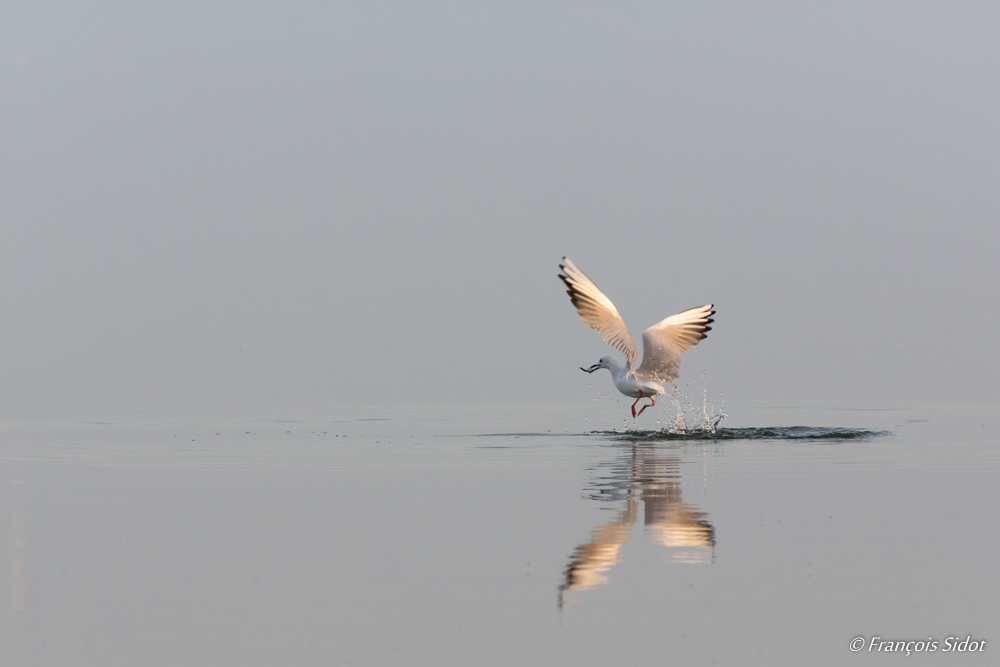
(685, 416)
(710, 418)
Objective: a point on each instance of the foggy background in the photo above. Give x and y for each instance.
(278, 203)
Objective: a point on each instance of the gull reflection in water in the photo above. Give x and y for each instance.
(650, 474)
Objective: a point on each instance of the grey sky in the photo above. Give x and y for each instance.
(285, 203)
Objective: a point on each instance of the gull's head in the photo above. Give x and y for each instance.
(604, 362)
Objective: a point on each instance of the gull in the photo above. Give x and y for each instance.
(662, 343)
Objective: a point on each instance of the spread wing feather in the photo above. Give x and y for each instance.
(663, 343)
(597, 310)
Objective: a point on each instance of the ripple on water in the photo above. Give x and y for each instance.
(754, 433)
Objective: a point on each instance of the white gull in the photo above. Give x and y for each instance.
(662, 343)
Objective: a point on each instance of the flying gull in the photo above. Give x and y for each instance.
(662, 343)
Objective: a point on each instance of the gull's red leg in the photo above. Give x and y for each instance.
(636, 401)
(652, 402)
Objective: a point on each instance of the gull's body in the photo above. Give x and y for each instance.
(662, 344)
(632, 384)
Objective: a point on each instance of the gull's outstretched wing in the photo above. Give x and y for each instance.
(597, 310)
(663, 343)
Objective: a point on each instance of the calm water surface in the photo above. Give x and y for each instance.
(508, 535)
